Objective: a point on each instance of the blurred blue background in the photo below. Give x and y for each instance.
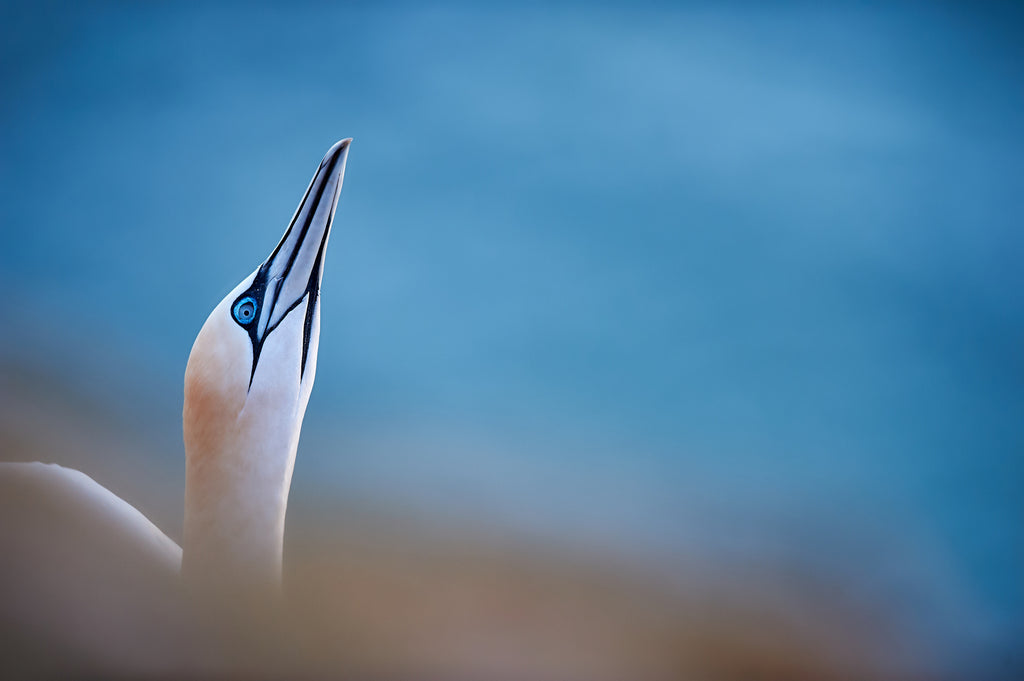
(715, 284)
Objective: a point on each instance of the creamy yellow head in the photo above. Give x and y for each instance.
(247, 384)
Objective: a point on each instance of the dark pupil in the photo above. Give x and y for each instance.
(246, 310)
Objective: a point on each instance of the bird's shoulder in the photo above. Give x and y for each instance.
(83, 574)
(42, 505)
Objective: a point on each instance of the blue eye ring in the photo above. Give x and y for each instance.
(245, 310)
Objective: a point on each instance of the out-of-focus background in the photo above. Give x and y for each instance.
(658, 341)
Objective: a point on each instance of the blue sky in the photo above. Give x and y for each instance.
(718, 279)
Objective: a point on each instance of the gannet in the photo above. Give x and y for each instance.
(247, 384)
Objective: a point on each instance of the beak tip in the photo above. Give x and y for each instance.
(338, 151)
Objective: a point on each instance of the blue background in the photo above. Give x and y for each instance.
(719, 284)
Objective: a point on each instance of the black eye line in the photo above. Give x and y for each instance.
(256, 291)
(258, 288)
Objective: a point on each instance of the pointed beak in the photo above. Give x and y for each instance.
(295, 268)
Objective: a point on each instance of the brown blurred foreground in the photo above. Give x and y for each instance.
(370, 594)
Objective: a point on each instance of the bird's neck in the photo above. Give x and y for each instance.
(236, 494)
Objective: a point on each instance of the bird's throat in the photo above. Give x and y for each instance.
(235, 507)
(240, 448)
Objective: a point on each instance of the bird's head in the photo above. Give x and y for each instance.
(252, 366)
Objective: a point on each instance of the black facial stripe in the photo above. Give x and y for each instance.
(302, 203)
(310, 214)
(313, 291)
(309, 220)
(259, 288)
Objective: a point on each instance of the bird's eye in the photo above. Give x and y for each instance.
(245, 310)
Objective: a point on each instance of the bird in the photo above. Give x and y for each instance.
(64, 538)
